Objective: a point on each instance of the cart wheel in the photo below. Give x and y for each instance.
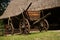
(24, 26)
(7, 29)
(43, 25)
(11, 28)
(27, 26)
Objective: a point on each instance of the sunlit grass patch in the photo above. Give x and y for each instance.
(34, 36)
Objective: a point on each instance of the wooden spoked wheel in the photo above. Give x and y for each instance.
(10, 25)
(43, 25)
(7, 29)
(12, 28)
(24, 26)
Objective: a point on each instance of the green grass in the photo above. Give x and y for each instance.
(34, 36)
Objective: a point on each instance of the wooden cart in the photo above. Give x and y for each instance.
(31, 18)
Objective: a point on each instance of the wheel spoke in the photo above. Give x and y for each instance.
(44, 25)
(26, 27)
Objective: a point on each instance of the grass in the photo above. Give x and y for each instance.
(34, 36)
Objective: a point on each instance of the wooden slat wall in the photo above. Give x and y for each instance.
(34, 15)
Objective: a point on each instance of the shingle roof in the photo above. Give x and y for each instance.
(15, 6)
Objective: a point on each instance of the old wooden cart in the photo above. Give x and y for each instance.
(28, 13)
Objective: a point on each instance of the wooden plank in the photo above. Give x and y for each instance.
(34, 15)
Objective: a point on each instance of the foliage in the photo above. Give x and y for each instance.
(3, 5)
(1, 27)
(1, 24)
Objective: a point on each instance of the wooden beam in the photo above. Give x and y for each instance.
(42, 18)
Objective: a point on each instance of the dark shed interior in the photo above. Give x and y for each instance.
(54, 18)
